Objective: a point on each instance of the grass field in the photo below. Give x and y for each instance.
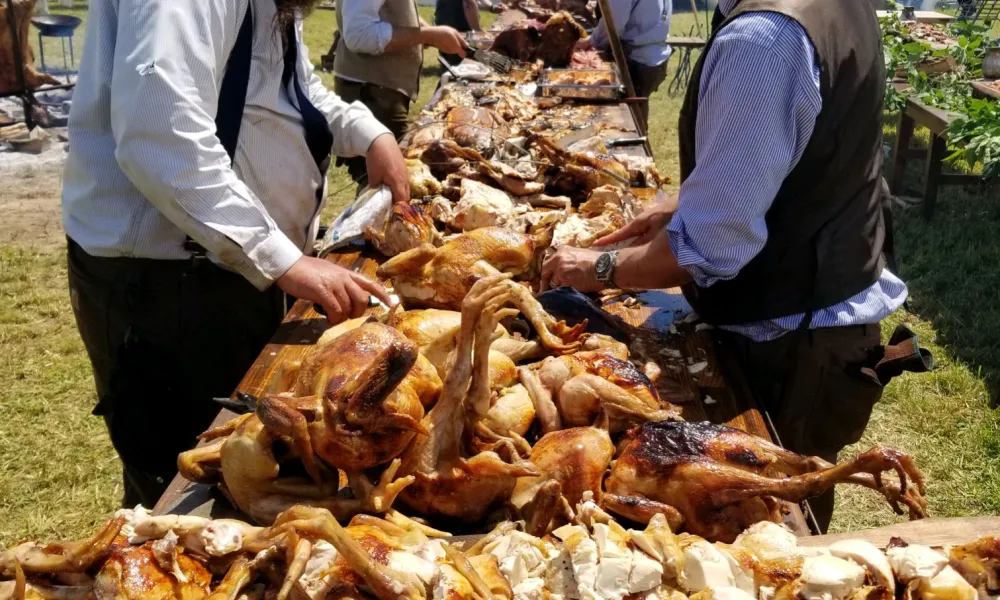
(59, 475)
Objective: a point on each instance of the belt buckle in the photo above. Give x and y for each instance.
(198, 253)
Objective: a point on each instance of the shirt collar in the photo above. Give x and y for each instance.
(727, 6)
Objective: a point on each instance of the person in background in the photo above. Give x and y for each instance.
(379, 58)
(201, 140)
(461, 15)
(643, 27)
(778, 232)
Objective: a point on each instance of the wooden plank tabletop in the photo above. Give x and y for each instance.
(923, 16)
(934, 532)
(934, 119)
(987, 88)
(686, 42)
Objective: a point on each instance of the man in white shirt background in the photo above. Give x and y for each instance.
(201, 140)
(643, 26)
(379, 56)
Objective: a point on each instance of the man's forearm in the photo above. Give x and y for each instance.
(472, 14)
(650, 267)
(405, 37)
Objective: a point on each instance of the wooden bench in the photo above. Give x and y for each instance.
(937, 122)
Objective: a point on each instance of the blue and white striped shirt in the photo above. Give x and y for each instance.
(759, 99)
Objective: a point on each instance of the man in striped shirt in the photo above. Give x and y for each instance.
(197, 169)
(778, 231)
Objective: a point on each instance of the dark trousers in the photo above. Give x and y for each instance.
(811, 384)
(645, 80)
(164, 337)
(390, 107)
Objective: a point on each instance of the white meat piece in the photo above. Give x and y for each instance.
(481, 206)
(830, 578)
(915, 561)
(705, 567)
(868, 556)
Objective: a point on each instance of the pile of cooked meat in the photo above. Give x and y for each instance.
(307, 555)
(497, 410)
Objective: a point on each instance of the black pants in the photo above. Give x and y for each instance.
(164, 337)
(390, 107)
(811, 384)
(645, 81)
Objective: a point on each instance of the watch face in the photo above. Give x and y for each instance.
(603, 265)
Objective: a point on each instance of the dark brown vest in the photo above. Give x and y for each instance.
(825, 227)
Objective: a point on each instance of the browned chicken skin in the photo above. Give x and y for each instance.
(441, 277)
(571, 390)
(716, 481)
(449, 482)
(371, 400)
(405, 228)
(570, 462)
(144, 573)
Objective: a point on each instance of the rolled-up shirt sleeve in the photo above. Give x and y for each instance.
(364, 31)
(353, 125)
(759, 99)
(164, 98)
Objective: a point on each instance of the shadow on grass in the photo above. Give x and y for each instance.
(950, 265)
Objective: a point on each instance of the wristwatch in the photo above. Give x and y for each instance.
(605, 267)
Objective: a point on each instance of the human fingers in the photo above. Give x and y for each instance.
(637, 227)
(358, 296)
(373, 288)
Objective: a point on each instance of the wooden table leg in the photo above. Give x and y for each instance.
(932, 173)
(904, 133)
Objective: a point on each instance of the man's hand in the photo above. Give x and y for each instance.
(573, 267)
(584, 44)
(386, 166)
(446, 39)
(343, 294)
(646, 226)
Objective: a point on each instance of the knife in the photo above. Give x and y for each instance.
(626, 141)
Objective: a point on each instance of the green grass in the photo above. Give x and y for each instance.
(59, 475)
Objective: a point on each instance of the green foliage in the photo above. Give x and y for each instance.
(974, 137)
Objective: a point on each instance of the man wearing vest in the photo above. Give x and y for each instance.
(778, 231)
(379, 57)
(201, 139)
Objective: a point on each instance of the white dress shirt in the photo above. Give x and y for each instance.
(145, 167)
(364, 30)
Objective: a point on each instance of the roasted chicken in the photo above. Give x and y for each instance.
(577, 174)
(405, 227)
(441, 277)
(451, 482)
(571, 462)
(715, 481)
(371, 400)
(476, 127)
(156, 570)
(572, 390)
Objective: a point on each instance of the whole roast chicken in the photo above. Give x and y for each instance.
(715, 481)
(452, 478)
(429, 277)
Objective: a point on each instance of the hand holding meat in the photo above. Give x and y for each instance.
(573, 267)
(386, 167)
(647, 225)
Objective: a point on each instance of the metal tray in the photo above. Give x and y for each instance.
(610, 91)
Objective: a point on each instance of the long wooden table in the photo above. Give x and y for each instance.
(717, 393)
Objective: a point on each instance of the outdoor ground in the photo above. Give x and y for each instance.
(59, 474)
